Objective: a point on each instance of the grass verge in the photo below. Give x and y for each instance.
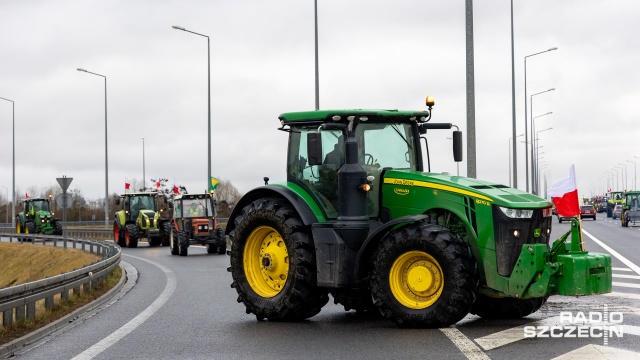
(40, 269)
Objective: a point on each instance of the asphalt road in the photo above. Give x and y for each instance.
(184, 308)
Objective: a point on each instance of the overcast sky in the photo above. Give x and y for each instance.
(373, 54)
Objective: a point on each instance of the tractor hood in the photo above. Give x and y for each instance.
(498, 194)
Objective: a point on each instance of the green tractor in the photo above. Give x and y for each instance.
(140, 217)
(360, 219)
(630, 209)
(37, 218)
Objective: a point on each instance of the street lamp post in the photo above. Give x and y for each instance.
(534, 143)
(533, 131)
(624, 176)
(208, 101)
(635, 174)
(7, 211)
(144, 182)
(106, 151)
(13, 140)
(510, 146)
(526, 123)
(535, 170)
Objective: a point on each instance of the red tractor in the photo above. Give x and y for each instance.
(194, 222)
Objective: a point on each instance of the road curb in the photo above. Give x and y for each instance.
(128, 279)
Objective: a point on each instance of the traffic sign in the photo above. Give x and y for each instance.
(64, 182)
(60, 200)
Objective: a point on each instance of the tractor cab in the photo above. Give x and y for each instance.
(361, 143)
(135, 203)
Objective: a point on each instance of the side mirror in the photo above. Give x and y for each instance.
(457, 146)
(314, 148)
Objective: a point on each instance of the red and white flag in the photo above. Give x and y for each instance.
(564, 194)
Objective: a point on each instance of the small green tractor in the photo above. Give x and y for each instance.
(630, 209)
(37, 218)
(140, 217)
(614, 198)
(194, 223)
(359, 218)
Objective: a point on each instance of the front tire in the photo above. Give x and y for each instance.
(131, 235)
(273, 263)
(506, 308)
(423, 275)
(183, 243)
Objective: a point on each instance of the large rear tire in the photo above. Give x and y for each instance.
(423, 275)
(118, 235)
(173, 242)
(131, 235)
(273, 263)
(166, 232)
(506, 308)
(222, 241)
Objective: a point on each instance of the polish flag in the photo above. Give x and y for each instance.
(564, 194)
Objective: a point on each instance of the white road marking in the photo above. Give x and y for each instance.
(101, 346)
(514, 334)
(466, 346)
(620, 269)
(627, 285)
(635, 277)
(598, 352)
(623, 295)
(627, 262)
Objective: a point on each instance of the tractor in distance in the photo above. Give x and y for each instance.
(361, 219)
(631, 208)
(614, 198)
(139, 218)
(37, 218)
(194, 223)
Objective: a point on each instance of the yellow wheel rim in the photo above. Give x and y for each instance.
(266, 261)
(416, 279)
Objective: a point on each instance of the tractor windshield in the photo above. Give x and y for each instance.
(39, 205)
(380, 145)
(196, 208)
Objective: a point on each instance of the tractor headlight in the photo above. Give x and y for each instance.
(517, 213)
(547, 212)
(200, 227)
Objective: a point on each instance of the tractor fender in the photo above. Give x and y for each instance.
(372, 240)
(120, 218)
(302, 208)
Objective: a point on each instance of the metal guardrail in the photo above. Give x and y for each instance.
(20, 301)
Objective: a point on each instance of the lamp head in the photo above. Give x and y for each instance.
(81, 69)
(178, 27)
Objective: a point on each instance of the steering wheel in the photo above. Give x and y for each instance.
(368, 159)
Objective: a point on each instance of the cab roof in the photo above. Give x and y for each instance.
(328, 115)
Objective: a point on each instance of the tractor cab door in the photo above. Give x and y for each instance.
(319, 180)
